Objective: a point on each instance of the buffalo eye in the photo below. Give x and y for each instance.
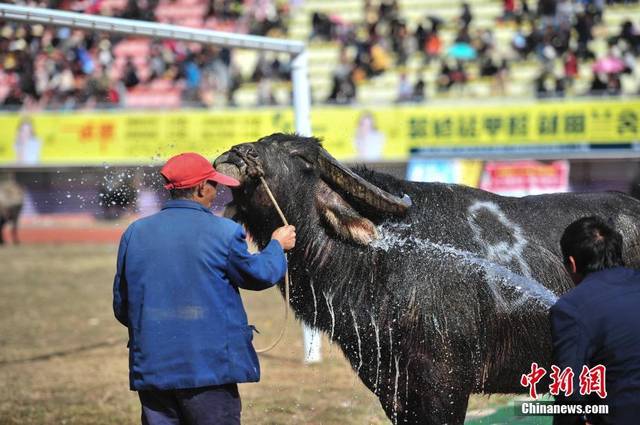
(308, 164)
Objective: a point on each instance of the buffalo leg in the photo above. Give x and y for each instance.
(14, 231)
(444, 406)
(2, 223)
(421, 400)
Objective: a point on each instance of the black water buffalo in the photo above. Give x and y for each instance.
(432, 291)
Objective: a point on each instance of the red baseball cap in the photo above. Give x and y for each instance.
(189, 169)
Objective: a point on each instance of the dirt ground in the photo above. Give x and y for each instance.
(63, 358)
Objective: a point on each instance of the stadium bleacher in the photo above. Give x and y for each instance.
(229, 75)
(486, 14)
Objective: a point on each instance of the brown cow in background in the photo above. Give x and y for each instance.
(11, 200)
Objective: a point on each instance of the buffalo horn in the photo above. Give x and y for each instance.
(359, 188)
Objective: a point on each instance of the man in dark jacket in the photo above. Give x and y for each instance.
(176, 290)
(597, 322)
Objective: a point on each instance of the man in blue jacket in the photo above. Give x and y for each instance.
(598, 322)
(176, 290)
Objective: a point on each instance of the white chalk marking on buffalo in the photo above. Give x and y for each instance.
(501, 252)
(504, 277)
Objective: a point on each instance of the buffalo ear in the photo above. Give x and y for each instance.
(337, 214)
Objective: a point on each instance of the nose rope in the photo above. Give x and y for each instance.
(254, 169)
(286, 276)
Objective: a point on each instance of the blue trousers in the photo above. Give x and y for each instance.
(216, 405)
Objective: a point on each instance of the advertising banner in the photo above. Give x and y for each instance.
(349, 133)
(520, 178)
(457, 171)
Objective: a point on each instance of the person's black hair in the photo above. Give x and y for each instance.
(180, 193)
(593, 243)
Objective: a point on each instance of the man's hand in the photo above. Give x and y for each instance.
(286, 236)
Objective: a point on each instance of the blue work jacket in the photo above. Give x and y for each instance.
(598, 322)
(176, 290)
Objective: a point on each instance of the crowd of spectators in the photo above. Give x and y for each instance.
(554, 33)
(560, 33)
(53, 68)
(61, 68)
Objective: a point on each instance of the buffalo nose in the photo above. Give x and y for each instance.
(229, 157)
(231, 164)
(236, 155)
(221, 159)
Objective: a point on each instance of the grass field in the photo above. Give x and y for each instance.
(63, 358)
